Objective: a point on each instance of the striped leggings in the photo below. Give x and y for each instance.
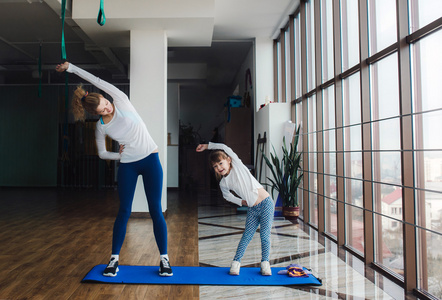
(262, 215)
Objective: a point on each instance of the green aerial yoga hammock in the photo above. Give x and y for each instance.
(63, 14)
(66, 87)
(101, 19)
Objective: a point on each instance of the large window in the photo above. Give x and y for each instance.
(327, 40)
(279, 72)
(312, 161)
(386, 162)
(310, 45)
(351, 98)
(382, 18)
(424, 12)
(297, 56)
(288, 86)
(298, 120)
(427, 120)
(349, 33)
(329, 145)
(371, 130)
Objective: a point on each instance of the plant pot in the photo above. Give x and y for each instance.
(290, 213)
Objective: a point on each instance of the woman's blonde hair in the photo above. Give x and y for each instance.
(215, 157)
(83, 102)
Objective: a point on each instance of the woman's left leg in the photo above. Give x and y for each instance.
(152, 173)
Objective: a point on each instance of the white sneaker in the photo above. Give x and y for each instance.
(234, 269)
(265, 268)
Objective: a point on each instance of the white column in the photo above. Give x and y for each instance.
(263, 86)
(148, 93)
(264, 70)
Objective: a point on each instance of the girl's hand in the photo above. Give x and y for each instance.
(62, 67)
(202, 147)
(243, 202)
(121, 148)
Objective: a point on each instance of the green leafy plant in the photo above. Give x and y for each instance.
(287, 173)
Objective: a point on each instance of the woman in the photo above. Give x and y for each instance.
(138, 155)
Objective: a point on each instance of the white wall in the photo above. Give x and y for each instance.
(263, 70)
(240, 76)
(271, 119)
(265, 118)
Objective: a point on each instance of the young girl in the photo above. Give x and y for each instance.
(236, 177)
(138, 155)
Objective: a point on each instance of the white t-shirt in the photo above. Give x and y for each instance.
(126, 126)
(239, 180)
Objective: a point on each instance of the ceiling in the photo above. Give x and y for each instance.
(216, 33)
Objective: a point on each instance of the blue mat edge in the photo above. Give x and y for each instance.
(112, 280)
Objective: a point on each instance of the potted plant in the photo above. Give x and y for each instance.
(287, 176)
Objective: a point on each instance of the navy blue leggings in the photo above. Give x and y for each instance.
(152, 172)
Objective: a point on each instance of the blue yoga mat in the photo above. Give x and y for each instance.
(196, 276)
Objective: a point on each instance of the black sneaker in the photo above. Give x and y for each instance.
(111, 269)
(165, 269)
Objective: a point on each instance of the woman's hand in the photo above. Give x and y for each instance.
(62, 67)
(202, 147)
(243, 202)
(121, 148)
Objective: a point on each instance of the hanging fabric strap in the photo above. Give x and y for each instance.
(65, 156)
(63, 15)
(101, 19)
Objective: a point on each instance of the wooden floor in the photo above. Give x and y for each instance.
(50, 239)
